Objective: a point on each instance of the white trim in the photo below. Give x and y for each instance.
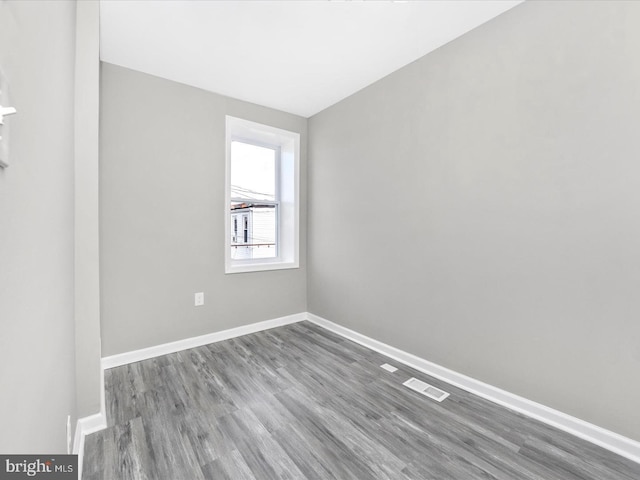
(288, 193)
(612, 441)
(262, 266)
(84, 427)
(98, 421)
(607, 439)
(172, 347)
(91, 424)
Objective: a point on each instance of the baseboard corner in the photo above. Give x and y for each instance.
(86, 426)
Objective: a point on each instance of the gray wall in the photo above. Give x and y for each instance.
(162, 164)
(37, 368)
(480, 208)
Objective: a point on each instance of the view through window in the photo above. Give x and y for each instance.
(254, 201)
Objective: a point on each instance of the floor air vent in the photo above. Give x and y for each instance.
(426, 389)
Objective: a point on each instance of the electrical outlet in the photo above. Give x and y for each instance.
(199, 299)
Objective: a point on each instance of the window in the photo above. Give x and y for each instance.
(262, 207)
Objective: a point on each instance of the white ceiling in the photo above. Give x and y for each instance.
(296, 56)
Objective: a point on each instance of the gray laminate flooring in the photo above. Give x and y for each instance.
(299, 402)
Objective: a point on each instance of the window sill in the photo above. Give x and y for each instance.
(260, 267)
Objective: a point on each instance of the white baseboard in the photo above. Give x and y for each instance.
(97, 422)
(612, 441)
(87, 425)
(84, 427)
(172, 347)
(90, 424)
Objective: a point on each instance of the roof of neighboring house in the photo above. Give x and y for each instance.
(244, 206)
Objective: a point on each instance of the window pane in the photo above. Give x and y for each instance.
(253, 172)
(255, 236)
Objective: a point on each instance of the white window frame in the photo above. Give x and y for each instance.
(287, 144)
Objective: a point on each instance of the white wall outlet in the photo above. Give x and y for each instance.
(199, 299)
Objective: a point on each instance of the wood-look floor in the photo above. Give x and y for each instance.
(298, 402)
